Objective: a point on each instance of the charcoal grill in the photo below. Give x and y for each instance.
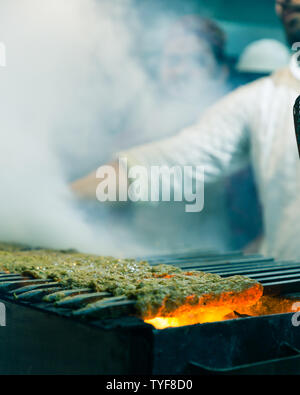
(105, 337)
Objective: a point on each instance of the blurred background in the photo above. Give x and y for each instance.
(242, 22)
(253, 45)
(89, 78)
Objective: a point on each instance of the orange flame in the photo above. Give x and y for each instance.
(188, 314)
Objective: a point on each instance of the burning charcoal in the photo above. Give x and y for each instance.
(241, 315)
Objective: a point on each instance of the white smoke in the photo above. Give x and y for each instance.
(70, 77)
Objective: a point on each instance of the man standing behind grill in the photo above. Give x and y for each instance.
(254, 123)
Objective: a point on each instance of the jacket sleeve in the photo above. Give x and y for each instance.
(219, 142)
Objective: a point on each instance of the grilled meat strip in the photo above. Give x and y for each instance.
(161, 288)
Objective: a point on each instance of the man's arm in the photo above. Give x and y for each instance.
(219, 142)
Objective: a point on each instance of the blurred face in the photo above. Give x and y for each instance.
(188, 61)
(289, 13)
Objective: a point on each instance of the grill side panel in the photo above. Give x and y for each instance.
(35, 342)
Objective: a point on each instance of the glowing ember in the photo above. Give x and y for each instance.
(208, 308)
(191, 315)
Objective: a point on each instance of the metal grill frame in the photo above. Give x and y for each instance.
(43, 338)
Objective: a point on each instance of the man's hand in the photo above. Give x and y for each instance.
(85, 188)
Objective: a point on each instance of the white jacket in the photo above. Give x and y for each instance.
(255, 123)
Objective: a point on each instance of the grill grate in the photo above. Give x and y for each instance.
(278, 278)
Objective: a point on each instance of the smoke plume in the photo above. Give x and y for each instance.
(72, 83)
